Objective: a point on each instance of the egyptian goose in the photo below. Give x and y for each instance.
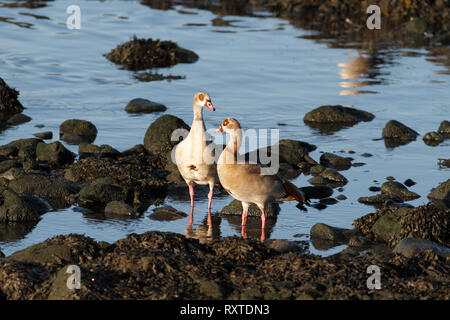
(245, 182)
(194, 159)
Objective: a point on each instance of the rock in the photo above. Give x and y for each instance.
(387, 226)
(411, 247)
(100, 193)
(9, 104)
(119, 208)
(158, 136)
(54, 190)
(337, 114)
(321, 231)
(358, 241)
(17, 119)
(299, 146)
(331, 160)
(15, 208)
(341, 197)
(317, 192)
(394, 188)
(140, 54)
(379, 199)
(441, 194)
(69, 130)
(54, 154)
(444, 162)
(328, 201)
(433, 138)
(416, 25)
(8, 164)
(374, 189)
(316, 170)
(444, 129)
(210, 289)
(329, 177)
(46, 135)
(59, 289)
(282, 245)
(235, 208)
(86, 150)
(396, 130)
(166, 213)
(409, 182)
(366, 155)
(139, 105)
(23, 148)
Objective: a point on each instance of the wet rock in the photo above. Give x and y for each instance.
(139, 105)
(444, 162)
(119, 208)
(321, 231)
(235, 208)
(166, 213)
(158, 137)
(374, 188)
(9, 104)
(441, 194)
(409, 182)
(317, 192)
(337, 114)
(140, 54)
(394, 188)
(433, 138)
(76, 131)
(152, 76)
(299, 146)
(444, 129)
(387, 226)
(17, 119)
(55, 191)
(100, 193)
(341, 197)
(358, 241)
(366, 155)
(54, 154)
(328, 201)
(398, 131)
(331, 160)
(23, 148)
(16, 208)
(316, 170)
(411, 247)
(282, 245)
(329, 177)
(46, 135)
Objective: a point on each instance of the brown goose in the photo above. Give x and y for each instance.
(245, 182)
(194, 159)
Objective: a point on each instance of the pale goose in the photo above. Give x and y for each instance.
(245, 182)
(194, 159)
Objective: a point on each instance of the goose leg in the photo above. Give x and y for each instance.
(263, 225)
(244, 213)
(210, 196)
(191, 194)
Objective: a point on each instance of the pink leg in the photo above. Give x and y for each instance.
(191, 194)
(263, 225)
(244, 217)
(210, 196)
(244, 231)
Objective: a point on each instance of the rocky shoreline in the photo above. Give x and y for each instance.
(410, 245)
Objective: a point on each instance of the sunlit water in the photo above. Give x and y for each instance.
(258, 70)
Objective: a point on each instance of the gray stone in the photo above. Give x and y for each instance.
(410, 247)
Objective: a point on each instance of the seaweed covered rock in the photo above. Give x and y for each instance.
(54, 154)
(444, 129)
(392, 224)
(411, 247)
(158, 137)
(86, 150)
(9, 104)
(119, 208)
(394, 188)
(16, 208)
(139, 105)
(75, 131)
(433, 138)
(334, 161)
(140, 54)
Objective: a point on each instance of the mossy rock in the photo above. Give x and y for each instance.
(85, 130)
(397, 130)
(54, 190)
(334, 161)
(444, 127)
(16, 208)
(158, 136)
(394, 188)
(441, 194)
(54, 153)
(388, 225)
(101, 192)
(119, 208)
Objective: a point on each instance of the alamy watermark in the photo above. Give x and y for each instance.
(74, 20)
(74, 280)
(374, 20)
(374, 281)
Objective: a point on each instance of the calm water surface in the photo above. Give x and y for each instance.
(261, 70)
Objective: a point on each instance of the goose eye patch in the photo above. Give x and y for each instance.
(201, 97)
(225, 122)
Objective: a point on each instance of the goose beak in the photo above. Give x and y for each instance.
(220, 129)
(209, 105)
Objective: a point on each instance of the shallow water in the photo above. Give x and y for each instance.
(260, 70)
